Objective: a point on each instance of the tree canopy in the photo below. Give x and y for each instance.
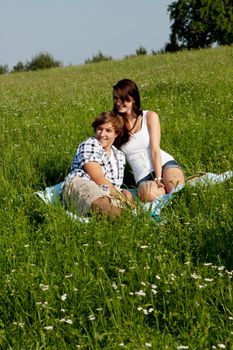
(42, 61)
(200, 24)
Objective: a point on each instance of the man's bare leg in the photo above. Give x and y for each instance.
(103, 205)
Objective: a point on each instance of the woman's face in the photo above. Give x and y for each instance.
(106, 135)
(122, 105)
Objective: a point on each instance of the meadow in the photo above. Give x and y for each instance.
(126, 283)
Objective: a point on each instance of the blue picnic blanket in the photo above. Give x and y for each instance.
(51, 195)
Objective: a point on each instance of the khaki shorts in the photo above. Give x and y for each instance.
(80, 193)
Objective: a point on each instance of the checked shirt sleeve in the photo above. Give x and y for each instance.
(88, 151)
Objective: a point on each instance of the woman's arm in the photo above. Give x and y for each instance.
(155, 136)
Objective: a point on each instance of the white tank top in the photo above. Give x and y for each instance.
(137, 152)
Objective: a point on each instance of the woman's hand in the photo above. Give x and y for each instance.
(159, 182)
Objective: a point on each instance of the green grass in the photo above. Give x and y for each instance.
(130, 282)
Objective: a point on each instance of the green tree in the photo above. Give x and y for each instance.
(141, 51)
(42, 61)
(3, 69)
(200, 24)
(98, 58)
(19, 67)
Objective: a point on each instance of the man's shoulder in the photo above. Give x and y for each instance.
(90, 141)
(118, 151)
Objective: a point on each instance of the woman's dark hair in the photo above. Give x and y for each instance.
(109, 117)
(126, 88)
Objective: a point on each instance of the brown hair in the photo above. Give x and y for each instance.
(125, 88)
(109, 117)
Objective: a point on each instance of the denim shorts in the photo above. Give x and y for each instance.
(169, 164)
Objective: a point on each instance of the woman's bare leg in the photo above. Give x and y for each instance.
(173, 177)
(148, 191)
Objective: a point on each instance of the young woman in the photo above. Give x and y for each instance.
(155, 171)
(97, 170)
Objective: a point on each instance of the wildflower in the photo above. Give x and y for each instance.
(153, 286)
(66, 320)
(182, 347)
(187, 262)
(91, 317)
(44, 287)
(208, 279)
(220, 268)
(121, 270)
(195, 276)
(144, 246)
(221, 346)
(114, 285)
(148, 345)
(154, 291)
(140, 293)
(229, 273)
(150, 310)
(48, 328)
(230, 318)
(69, 275)
(158, 277)
(20, 324)
(121, 344)
(63, 297)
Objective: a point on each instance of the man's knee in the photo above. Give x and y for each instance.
(104, 205)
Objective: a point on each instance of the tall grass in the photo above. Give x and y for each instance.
(130, 282)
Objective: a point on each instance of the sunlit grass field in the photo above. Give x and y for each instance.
(129, 283)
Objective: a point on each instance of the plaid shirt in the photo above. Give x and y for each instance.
(91, 151)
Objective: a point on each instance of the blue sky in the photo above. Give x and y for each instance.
(75, 30)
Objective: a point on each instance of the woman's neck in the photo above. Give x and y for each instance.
(129, 116)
